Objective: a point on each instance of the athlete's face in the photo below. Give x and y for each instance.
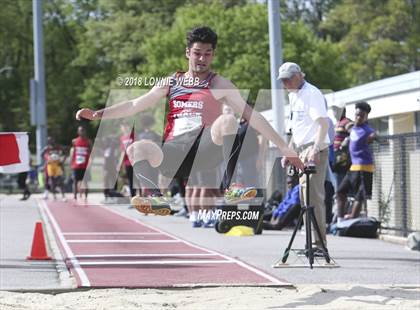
(200, 55)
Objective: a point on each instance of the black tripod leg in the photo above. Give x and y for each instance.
(299, 222)
(318, 232)
(309, 236)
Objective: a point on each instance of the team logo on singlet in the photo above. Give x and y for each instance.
(196, 104)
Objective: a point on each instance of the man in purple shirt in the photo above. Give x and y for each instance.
(359, 177)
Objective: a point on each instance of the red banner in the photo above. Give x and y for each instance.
(9, 150)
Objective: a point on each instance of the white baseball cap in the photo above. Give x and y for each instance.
(287, 70)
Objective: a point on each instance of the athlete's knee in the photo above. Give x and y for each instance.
(145, 150)
(224, 125)
(228, 124)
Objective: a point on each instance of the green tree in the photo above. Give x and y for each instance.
(111, 43)
(310, 12)
(378, 38)
(243, 51)
(61, 21)
(16, 64)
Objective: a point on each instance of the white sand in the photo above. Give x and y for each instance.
(303, 297)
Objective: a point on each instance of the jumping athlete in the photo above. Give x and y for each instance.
(197, 135)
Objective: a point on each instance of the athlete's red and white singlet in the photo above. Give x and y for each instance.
(190, 107)
(81, 152)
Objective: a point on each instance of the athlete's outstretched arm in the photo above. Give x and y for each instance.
(227, 91)
(126, 108)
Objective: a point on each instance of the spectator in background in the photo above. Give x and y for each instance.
(55, 172)
(21, 181)
(110, 167)
(33, 173)
(330, 180)
(309, 124)
(50, 148)
(288, 209)
(359, 177)
(177, 189)
(80, 153)
(126, 139)
(341, 158)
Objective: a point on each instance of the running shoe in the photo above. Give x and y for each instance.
(237, 193)
(155, 205)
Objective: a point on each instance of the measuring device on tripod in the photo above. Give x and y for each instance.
(308, 211)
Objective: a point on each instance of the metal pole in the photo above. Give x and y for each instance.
(277, 94)
(403, 184)
(41, 113)
(276, 59)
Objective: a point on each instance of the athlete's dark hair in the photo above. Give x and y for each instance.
(202, 34)
(364, 106)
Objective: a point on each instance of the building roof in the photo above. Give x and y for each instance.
(390, 86)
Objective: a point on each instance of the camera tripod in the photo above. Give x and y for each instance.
(310, 219)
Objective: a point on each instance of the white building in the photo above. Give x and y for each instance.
(395, 102)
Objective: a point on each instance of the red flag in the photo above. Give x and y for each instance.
(9, 150)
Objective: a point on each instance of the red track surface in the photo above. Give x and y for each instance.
(105, 249)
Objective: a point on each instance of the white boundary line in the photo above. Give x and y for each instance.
(244, 265)
(121, 241)
(142, 255)
(76, 266)
(157, 262)
(109, 233)
(66, 278)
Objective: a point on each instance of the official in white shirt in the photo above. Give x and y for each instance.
(309, 125)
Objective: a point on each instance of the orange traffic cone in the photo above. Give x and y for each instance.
(39, 250)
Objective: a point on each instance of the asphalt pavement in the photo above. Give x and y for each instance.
(17, 225)
(359, 261)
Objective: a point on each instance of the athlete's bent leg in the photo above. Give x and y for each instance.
(224, 132)
(145, 156)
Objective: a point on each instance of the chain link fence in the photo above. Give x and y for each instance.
(396, 183)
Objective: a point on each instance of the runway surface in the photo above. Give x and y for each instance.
(103, 248)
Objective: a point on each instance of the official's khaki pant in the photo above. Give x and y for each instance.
(316, 192)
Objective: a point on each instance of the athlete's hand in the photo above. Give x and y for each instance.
(86, 114)
(292, 157)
